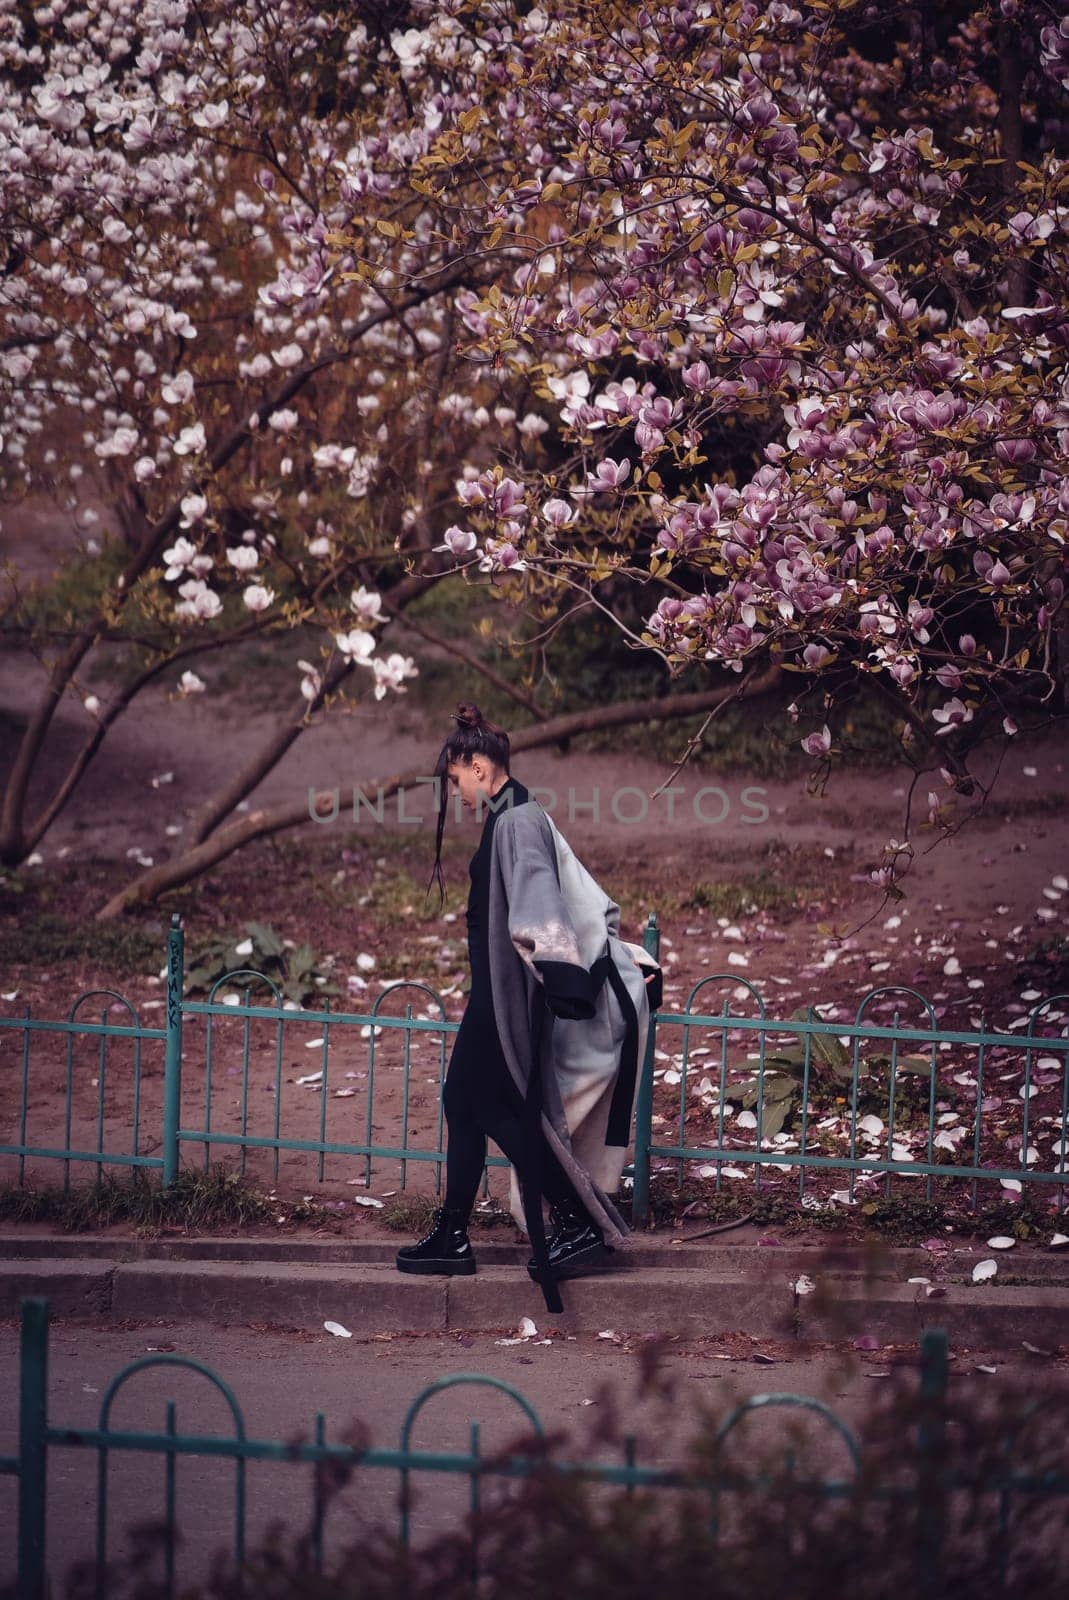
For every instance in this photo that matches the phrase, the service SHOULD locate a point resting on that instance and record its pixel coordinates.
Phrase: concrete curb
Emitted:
(690, 1290)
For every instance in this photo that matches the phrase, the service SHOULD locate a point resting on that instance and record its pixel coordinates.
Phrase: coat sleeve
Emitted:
(539, 926)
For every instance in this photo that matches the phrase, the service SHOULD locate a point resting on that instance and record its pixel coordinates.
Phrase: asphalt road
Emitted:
(283, 1378)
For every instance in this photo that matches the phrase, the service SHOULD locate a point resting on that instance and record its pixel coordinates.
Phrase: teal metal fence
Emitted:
(883, 1098)
(918, 1478)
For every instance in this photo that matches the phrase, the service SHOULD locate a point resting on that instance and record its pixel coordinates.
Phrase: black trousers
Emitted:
(481, 1100)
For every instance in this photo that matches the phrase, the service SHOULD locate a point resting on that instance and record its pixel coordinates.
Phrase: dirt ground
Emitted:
(755, 882)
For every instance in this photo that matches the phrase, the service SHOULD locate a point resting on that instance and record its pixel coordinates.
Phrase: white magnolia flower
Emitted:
(178, 558)
(194, 507)
(189, 683)
(311, 683)
(358, 644)
(123, 442)
(283, 421)
(410, 48)
(257, 597)
(191, 440)
(244, 557)
(177, 391)
(291, 355)
(198, 601)
(360, 476)
(334, 455)
(389, 673)
(366, 603)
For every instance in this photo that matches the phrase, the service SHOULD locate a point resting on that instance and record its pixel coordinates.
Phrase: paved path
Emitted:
(810, 1289)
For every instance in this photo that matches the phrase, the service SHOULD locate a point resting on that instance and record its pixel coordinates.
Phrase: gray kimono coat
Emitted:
(553, 928)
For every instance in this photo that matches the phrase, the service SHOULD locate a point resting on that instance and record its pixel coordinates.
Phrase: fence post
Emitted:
(931, 1453)
(33, 1448)
(172, 1072)
(640, 1193)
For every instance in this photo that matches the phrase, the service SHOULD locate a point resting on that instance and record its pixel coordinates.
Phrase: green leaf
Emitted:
(301, 962)
(265, 938)
(776, 1114)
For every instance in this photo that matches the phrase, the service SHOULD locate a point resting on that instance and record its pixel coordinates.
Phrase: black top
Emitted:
(512, 792)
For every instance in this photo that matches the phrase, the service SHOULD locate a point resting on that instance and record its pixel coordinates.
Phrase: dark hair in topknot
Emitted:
(472, 736)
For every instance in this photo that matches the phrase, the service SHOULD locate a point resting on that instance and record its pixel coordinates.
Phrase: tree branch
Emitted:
(12, 831)
(465, 653)
(157, 880)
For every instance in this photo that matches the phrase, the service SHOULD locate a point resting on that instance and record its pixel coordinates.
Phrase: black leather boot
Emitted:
(446, 1249)
(575, 1244)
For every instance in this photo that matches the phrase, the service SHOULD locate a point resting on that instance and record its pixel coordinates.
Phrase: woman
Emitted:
(546, 1057)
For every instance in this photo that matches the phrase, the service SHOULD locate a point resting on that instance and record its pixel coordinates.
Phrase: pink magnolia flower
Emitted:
(817, 744)
(458, 541)
(1015, 452)
(609, 475)
(558, 513)
(953, 715)
(501, 556)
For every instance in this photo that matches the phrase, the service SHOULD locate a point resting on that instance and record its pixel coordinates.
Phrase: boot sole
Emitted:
(445, 1269)
(595, 1255)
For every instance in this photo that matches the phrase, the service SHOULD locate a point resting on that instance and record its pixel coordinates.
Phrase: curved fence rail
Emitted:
(918, 1480)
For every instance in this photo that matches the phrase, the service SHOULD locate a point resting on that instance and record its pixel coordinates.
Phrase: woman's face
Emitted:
(472, 783)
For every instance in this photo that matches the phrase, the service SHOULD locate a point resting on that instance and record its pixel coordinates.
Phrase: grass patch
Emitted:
(199, 1202)
(897, 1219)
(759, 891)
(46, 938)
(409, 1213)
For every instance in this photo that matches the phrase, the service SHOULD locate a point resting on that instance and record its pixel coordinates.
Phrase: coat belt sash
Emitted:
(623, 1098)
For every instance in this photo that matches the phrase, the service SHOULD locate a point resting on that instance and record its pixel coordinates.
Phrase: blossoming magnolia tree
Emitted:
(793, 279)
(755, 313)
(247, 437)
